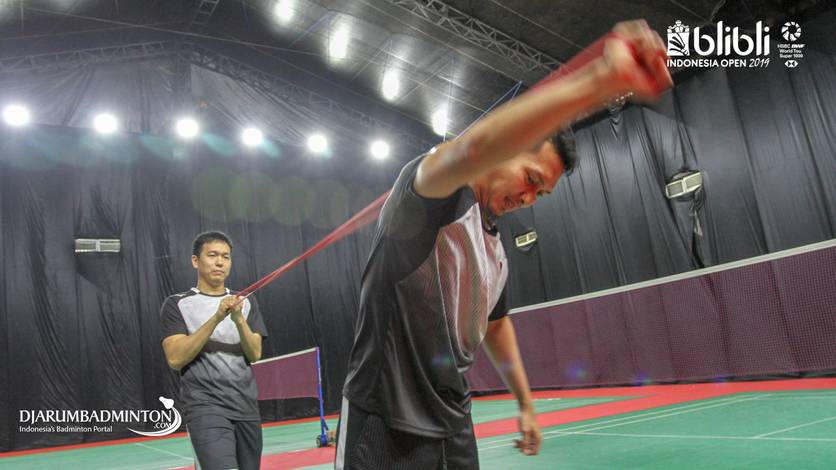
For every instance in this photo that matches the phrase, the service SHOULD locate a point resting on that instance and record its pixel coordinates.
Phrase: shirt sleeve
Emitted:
(171, 320)
(411, 216)
(254, 319)
(501, 309)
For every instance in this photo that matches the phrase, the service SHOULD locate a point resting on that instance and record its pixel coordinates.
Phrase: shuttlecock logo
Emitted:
(678, 39)
(791, 31)
(167, 427)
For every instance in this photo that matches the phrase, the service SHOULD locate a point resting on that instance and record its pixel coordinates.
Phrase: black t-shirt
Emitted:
(219, 380)
(434, 278)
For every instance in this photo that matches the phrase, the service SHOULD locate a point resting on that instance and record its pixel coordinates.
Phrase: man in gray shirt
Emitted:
(212, 342)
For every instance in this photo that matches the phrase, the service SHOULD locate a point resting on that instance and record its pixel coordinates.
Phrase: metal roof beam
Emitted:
(480, 34)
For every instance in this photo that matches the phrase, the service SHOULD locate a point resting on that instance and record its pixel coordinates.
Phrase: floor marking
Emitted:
(673, 436)
(163, 451)
(631, 419)
(642, 414)
(761, 436)
(802, 397)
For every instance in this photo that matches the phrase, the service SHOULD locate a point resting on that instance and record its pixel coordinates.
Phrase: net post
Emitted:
(323, 436)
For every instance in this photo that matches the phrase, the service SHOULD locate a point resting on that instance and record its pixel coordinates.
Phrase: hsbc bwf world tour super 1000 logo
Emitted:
(723, 46)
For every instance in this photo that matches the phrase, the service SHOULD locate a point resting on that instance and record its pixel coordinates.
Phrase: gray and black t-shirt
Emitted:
(219, 380)
(434, 279)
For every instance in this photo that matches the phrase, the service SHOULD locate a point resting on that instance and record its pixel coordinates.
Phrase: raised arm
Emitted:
(632, 62)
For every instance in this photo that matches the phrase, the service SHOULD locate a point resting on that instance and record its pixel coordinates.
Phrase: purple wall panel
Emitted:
(770, 317)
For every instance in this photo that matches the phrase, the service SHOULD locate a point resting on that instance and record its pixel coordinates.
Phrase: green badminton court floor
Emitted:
(763, 430)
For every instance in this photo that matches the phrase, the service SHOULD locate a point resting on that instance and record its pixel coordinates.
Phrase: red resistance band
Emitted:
(370, 213)
(359, 220)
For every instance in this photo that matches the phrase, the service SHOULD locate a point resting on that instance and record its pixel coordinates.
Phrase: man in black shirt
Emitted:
(212, 344)
(433, 287)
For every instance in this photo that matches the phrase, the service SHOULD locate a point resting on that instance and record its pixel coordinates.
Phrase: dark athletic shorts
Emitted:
(364, 442)
(221, 444)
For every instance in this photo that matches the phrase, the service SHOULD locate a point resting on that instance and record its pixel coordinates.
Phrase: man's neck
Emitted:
(488, 219)
(207, 288)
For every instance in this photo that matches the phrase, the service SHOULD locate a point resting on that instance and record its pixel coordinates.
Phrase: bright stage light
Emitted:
(16, 115)
(440, 121)
(252, 137)
(391, 84)
(105, 123)
(317, 143)
(338, 43)
(379, 150)
(284, 10)
(187, 128)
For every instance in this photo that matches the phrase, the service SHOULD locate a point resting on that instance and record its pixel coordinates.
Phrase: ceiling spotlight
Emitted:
(317, 143)
(187, 128)
(252, 137)
(16, 115)
(105, 123)
(284, 10)
(338, 43)
(391, 85)
(440, 121)
(379, 150)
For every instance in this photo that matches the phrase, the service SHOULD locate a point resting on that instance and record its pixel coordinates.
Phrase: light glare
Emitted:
(252, 137)
(284, 10)
(391, 85)
(16, 115)
(440, 122)
(317, 143)
(105, 123)
(379, 150)
(187, 128)
(338, 44)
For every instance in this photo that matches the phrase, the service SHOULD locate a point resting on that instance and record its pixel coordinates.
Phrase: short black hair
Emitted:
(564, 143)
(206, 237)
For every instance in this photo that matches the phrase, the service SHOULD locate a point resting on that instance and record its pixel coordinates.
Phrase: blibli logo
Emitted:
(678, 40)
(723, 41)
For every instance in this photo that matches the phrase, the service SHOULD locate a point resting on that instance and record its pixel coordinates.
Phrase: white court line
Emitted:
(803, 397)
(164, 451)
(761, 436)
(672, 436)
(644, 416)
(625, 418)
(635, 419)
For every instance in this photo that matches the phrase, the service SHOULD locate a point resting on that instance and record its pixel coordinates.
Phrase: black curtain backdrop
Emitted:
(765, 141)
(81, 331)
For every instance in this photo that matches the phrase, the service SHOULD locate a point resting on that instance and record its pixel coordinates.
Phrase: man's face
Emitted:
(214, 262)
(519, 181)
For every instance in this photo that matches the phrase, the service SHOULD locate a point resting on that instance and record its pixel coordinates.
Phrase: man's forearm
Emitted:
(501, 345)
(513, 128)
(250, 342)
(186, 348)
